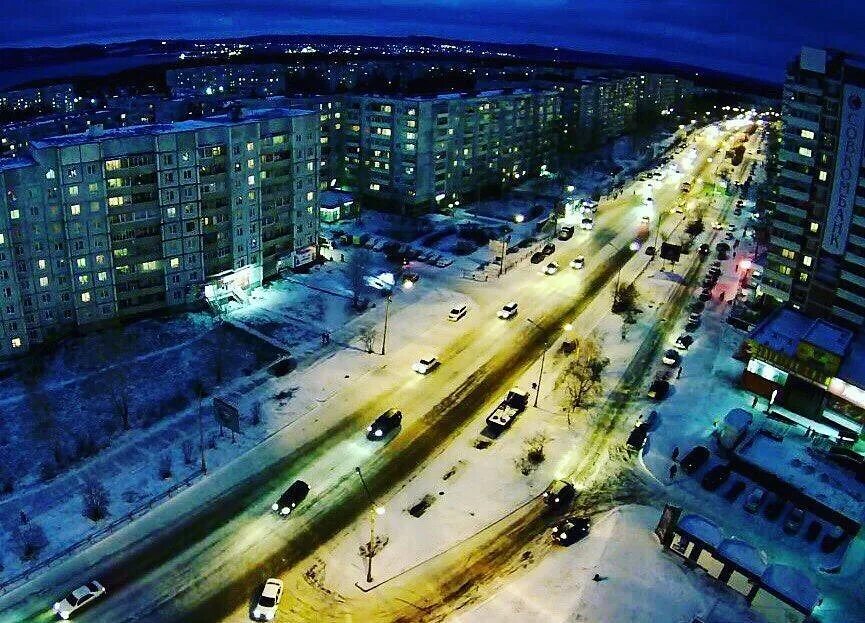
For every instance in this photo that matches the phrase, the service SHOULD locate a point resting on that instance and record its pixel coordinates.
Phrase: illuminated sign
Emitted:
(847, 165)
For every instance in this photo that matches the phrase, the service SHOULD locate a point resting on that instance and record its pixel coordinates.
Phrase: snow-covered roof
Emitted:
(783, 330)
(852, 370)
(793, 585)
(331, 198)
(738, 418)
(701, 528)
(744, 554)
(829, 337)
(7, 164)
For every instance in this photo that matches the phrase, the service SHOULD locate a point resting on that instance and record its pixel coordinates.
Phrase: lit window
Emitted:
(13, 214)
(807, 134)
(803, 276)
(121, 252)
(375, 187)
(251, 180)
(83, 279)
(822, 175)
(75, 209)
(790, 255)
(814, 227)
(93, 187)
(43, 281)
(250, 164)
(310, 196)
(100, 259)
(115, 201)
(16, 342)
(102, 276)
(81, 262)
(807, 260)
(72, 191)
(171, 212)
(804, 151)
(250, 146)
(175, 262)
(41, 264)
(85, 297)
(2, 238)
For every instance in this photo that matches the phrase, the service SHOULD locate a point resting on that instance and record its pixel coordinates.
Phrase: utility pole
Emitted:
(372, 513)
(384, 333)
(543, 358)
(201, 433)
(504, 242)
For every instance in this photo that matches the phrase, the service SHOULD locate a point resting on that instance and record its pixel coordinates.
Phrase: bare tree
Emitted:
(367, 337)
(357, 269)
(220, 349)
(120, 396)
(370, 550)
(94, 498)
(255, 413)
(533, 454)
(187, 448)
(30, 539)
(582, 378)
(165, 466)
(43, 424)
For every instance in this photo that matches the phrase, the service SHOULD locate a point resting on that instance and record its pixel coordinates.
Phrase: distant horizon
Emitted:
(740, 37)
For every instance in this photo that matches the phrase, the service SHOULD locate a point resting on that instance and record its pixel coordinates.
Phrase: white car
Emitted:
(508, 311)
(77, 599)
(552, 268)
(425, 365)
(578, 262)
(265, 607)
(457, 312)
(587, 224)
(646, 220)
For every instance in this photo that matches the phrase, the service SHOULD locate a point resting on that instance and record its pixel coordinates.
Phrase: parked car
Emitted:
(566, 232)
(425, 365)
(570, 530)
(774, 507)
(637, 437)
(268, 601)
(659, 389)
(794, 520)
(684, 341)
(552, 268)
(81, 597)
(384, 424)
(735, 490)
(709, 281)
(693, 325)
(508, 311)
(697, 306)
(705, 295)
(549, 249)
(559, 494)
(458, 312)
(587, 224)
(578, 262)
(755, 500)
(704, 250)
(290, 498)
(671, 357)
(694, 459)
(832, 539)
(538, 257)
(716, 476)
(650, 250)
(813, 530)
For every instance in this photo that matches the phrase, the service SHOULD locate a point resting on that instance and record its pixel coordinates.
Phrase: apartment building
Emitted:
(115, 223)
(816, 249)
(51, 98)
(246, 80)
(421, 154)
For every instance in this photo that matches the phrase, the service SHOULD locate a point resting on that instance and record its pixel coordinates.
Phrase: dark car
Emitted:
(566, 232)
(292, 496)
(715, 477)
(538, 257)
(831, 540)
(659, 389)
(571, 529)
(650, 250)
(692, 325)
(705, 295)
(684, 341)
(384, 424)
(638, 436)
(773, 508)
(559, 494)
(549, 249)
(704, 250)
(694, 459)
(813, 531)
(709, 281)
(734, 491)
(793, 521)
(697, 306)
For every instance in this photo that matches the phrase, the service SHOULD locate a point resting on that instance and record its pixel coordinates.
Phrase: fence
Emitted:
(97, 535)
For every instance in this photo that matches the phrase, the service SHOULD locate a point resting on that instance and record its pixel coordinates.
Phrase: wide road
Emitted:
(208, 561)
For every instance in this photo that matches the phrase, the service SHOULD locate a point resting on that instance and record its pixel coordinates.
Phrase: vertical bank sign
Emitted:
(847, 166)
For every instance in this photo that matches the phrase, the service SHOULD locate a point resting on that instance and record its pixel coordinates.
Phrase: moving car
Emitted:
(684, 341)
(715, 477)
(552, 268)
(538, 257)
(794, 520)
(549, 249)
(587, 223)
(425, 365)
(755, 500)
(560, 493)
(458, 312)
(695, 459)
(704, 250)
(578, 262)
(291, 497)
(735, 490)
(813, 531)
(659, 389)
(566, 232)
(671, 357)
(384, 424)
(570, 530)
(508, 311)
(78, 599)
(268, 601)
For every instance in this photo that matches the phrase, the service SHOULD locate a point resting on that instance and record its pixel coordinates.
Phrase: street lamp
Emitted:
(543, 357)
(386, 311)
(519, 218)
(374, 510)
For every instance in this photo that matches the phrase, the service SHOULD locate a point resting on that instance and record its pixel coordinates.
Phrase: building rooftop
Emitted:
(782, 331)
(249, 116)
(829, 337)
(8, 164)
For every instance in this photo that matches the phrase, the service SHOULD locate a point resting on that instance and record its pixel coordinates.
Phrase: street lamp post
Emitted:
(384, 332)
(505, 242)
(374, 510)
(543, 358)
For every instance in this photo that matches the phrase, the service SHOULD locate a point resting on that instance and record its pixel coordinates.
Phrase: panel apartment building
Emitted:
(116, 223)
(420, 154)
(816, 250)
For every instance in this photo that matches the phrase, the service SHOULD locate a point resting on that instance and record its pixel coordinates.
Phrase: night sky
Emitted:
(750, 37)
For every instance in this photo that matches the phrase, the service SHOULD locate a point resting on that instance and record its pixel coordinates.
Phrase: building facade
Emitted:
(254, 79)
(115, 223)
(816, 250)
(53, 98)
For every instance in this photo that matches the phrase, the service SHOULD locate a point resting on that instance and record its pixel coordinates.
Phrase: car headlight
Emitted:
(369, 428)
(275, 507)
(556, 500)
(379, 433)
(286, 510)
(564, 535)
